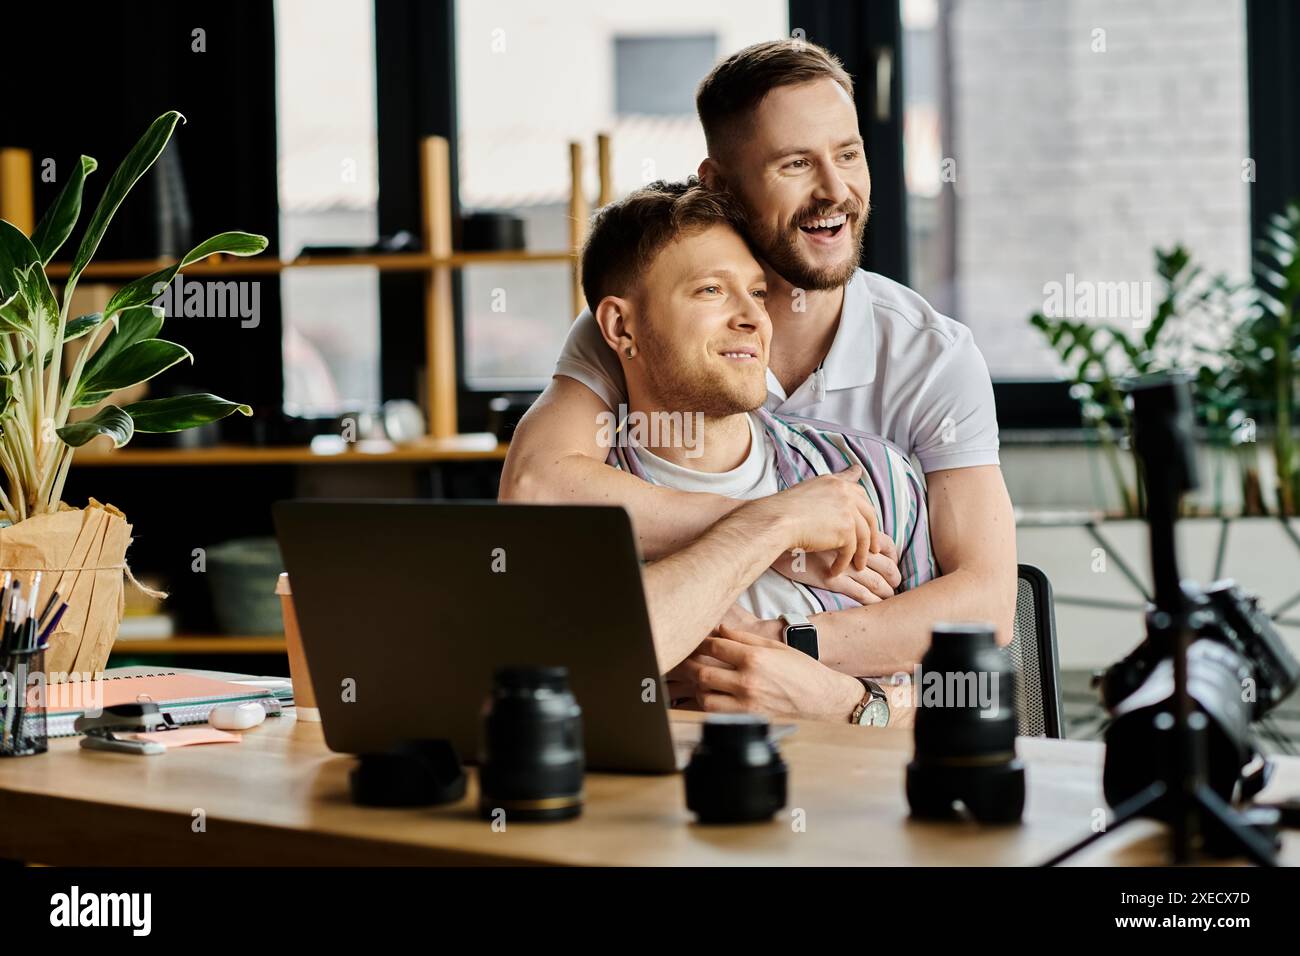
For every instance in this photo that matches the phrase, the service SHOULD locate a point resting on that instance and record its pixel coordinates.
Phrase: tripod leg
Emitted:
(1252, 845)
(1126, 811)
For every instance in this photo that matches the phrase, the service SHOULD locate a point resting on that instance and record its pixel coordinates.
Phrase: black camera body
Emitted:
(1238, 670)
(1248, 627)
(1229, 616)
(1179, 746)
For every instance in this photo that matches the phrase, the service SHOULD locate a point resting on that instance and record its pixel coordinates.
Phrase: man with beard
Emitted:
(678, 298)
(849, 348)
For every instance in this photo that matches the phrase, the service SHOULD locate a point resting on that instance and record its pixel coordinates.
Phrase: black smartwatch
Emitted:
(801, 633)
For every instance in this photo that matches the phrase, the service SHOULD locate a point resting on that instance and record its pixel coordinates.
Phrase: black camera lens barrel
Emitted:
(962, 655)
(736, 773)
(531, 760)
(966, 747)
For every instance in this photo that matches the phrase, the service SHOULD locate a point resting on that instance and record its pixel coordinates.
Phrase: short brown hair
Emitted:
(626, 235)
(738, 84)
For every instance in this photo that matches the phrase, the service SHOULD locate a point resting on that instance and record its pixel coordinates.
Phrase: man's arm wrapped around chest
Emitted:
(807, 448)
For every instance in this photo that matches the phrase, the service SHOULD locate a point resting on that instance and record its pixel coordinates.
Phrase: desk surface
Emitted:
(280, 796)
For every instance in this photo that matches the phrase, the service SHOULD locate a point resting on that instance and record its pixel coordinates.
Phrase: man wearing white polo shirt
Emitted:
(849, 348)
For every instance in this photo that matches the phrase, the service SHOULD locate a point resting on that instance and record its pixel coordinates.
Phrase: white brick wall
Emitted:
(1075, 161)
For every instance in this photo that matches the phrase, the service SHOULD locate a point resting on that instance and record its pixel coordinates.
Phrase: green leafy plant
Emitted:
(1193, 308)
(1260, 369)
(1241, 340)
(122, 347)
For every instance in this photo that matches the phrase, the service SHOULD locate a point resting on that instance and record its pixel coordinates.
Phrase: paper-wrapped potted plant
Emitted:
(82, 551)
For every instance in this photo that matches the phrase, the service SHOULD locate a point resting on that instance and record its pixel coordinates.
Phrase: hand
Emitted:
(680, 683)
(871, 585)
(738, 672)
(828, 513)
(681, 688)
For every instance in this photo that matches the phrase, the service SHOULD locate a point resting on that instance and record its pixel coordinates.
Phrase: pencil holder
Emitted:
(22, 703)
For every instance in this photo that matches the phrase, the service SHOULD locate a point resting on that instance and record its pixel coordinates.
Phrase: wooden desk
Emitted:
(281, 797)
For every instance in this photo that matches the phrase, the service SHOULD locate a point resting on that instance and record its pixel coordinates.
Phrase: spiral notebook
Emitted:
(188, 698)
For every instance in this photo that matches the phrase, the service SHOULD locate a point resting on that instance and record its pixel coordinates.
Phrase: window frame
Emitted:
(416, 89)
(853, 30)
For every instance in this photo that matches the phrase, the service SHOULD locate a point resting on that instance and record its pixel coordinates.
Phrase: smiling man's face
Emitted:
(801, 173)
(701, 327)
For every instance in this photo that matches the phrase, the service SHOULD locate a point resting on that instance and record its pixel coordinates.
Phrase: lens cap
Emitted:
(736, 774)
(414, 773)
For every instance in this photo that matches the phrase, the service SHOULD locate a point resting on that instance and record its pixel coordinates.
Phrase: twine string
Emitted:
(124, 567)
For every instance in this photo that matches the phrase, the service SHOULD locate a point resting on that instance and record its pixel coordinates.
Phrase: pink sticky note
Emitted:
(185, 736)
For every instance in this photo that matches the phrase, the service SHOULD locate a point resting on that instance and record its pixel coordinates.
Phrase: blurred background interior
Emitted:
(1149, 148)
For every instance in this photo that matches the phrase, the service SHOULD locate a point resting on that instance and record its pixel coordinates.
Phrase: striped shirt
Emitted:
(806, 449)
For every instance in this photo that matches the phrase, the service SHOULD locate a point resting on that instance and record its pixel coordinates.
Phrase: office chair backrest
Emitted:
(1033, 655)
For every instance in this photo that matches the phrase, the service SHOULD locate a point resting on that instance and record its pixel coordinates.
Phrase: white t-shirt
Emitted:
(772, 594)
(897, 369)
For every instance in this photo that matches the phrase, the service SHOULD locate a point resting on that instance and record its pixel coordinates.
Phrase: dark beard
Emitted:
(781, 252)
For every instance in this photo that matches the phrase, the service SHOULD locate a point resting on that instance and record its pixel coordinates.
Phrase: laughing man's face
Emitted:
(702, 327)
(801, 173)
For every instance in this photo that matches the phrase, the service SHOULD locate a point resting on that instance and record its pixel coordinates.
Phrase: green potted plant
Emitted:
(1254, 378)
(1242, 340)
(1193, 308)
(83, 551)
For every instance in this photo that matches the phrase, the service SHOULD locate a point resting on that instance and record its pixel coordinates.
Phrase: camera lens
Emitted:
(966, 729)
(1140, 744)
(530, 753)
(736, 774)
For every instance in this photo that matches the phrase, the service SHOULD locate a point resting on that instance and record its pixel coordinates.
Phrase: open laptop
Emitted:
(406, 608)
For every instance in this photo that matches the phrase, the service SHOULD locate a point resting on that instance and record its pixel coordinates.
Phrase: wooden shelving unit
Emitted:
(200, 644)
(436, 261)
(393, 262)
(476, 447)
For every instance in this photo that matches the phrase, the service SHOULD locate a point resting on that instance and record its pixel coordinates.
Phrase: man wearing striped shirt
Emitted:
(679, 297)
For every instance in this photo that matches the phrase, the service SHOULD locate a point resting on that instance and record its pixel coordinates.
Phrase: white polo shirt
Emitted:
(897, 369)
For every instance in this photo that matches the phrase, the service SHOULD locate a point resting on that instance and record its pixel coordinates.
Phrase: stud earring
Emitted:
(630, 352)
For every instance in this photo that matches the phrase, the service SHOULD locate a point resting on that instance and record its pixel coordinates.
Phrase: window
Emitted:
(328, 193)
(657, 75)
(1061, 143)
(533, 77)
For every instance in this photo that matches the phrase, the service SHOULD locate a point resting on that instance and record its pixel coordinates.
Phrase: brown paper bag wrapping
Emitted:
(82, 553)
